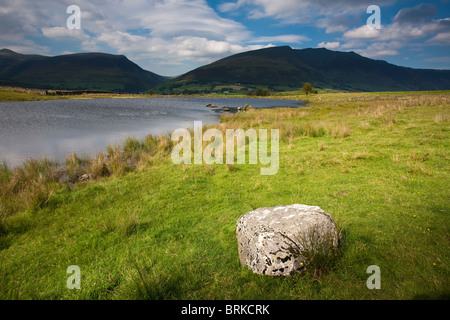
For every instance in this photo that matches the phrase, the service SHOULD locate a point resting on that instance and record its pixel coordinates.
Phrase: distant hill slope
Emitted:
(82, 71)
(283, 67)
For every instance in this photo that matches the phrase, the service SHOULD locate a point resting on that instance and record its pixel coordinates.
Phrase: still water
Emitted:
(56, 128)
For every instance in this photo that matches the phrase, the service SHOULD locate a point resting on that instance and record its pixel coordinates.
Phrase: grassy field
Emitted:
(8, 94)
(145, 228)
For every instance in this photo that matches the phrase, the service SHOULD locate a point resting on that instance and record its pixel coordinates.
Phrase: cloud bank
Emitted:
(173, 36)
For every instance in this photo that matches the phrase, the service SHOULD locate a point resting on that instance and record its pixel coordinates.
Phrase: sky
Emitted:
(171, 37)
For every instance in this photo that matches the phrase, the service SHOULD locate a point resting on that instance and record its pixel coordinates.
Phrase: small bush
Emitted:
(308, 88)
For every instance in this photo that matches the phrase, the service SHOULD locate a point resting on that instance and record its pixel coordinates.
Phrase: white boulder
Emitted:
(272, 241)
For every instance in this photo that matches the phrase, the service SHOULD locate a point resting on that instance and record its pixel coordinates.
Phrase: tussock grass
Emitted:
(99, 166)
(75, 167)
(319, 250)
(340, 131)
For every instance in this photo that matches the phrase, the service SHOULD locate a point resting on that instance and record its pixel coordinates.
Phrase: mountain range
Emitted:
(277, 69)
(81, 71)
(286, 68)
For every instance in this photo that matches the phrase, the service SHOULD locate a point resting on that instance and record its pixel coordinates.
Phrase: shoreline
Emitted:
(218, 111)
(379, 167)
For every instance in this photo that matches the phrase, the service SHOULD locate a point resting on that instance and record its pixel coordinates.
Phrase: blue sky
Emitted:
(171, 37)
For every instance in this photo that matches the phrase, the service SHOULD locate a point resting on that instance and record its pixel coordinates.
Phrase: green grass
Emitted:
(8, 94)
(162, 231)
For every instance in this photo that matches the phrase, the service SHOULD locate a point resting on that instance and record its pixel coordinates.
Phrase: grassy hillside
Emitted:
(145, 228)
(280, 68)
(83, 71)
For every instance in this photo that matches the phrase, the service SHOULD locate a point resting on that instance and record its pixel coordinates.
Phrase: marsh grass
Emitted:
(32, 185)
(28, 187)
(117, 164)
(99, 166)
(75, 167)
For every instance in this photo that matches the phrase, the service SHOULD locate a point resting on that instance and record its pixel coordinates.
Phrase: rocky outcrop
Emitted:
(273, 241)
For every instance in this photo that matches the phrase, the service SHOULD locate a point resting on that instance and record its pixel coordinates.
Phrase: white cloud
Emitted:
(380, 49)
(228, 6)
(398, 32)
(190, 32)
(62, 33)
(149, 31)
(363, 32)
(184, 49)
(442, 38)
(340, 23)
(305, 11)
(329, 45)
(181, 30)
(191, 18)
(286, 38)
(409, 26)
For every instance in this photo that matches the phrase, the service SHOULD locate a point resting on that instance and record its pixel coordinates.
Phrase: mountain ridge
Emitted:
(276, 68)
(77, 71)
(284, 68)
